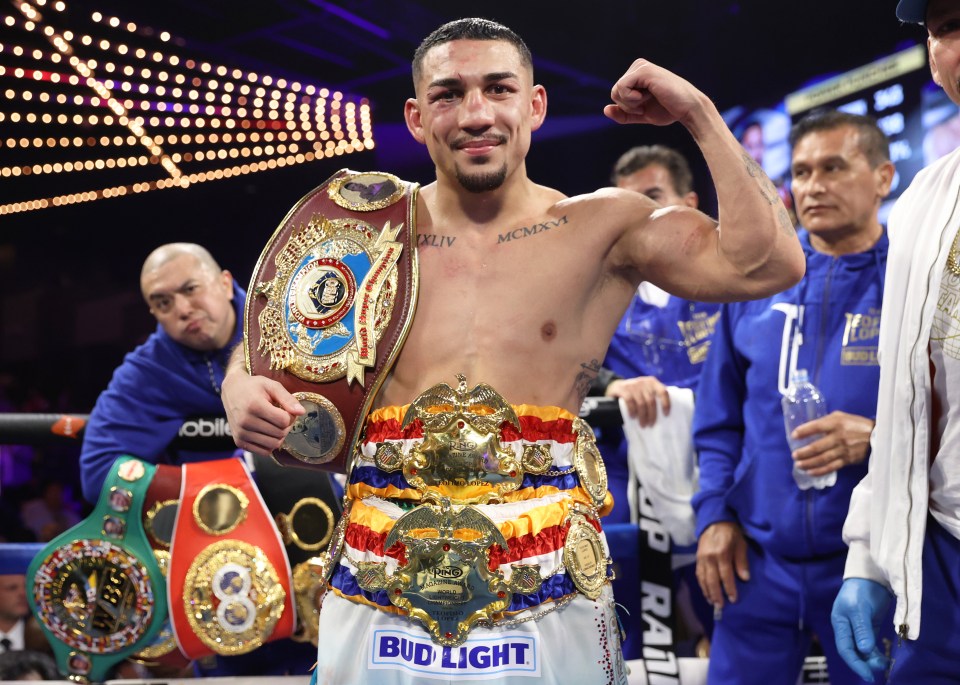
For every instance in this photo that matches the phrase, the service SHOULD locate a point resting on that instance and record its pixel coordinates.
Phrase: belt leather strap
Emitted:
(97, 590)
(330, 303)
(159, 517)
(305, 507)
(229, 581)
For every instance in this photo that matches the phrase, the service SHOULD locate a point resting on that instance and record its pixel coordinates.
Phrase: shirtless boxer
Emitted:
(522, 293)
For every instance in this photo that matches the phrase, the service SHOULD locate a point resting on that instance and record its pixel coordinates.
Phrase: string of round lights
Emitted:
(214, 114)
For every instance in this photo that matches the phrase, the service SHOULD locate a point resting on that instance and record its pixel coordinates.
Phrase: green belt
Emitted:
(97, 591)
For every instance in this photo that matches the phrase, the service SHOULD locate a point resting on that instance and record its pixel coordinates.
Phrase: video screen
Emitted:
(897, 91)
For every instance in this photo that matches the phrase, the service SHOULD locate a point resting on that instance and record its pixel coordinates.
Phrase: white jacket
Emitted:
(886, 524)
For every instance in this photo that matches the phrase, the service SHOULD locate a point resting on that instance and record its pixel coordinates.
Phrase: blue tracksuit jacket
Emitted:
(827, 324)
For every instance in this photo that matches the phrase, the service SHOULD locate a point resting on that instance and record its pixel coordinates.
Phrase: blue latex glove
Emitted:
(860, 606)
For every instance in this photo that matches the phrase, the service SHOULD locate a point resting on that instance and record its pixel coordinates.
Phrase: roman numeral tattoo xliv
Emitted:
(430, 240)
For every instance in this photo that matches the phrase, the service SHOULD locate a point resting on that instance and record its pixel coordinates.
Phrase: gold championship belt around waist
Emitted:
(329, 307)
(448, 578)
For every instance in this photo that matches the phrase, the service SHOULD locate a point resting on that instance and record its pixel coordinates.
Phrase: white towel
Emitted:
(663, 459)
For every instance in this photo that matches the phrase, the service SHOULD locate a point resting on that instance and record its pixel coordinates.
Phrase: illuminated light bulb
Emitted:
(122, 49)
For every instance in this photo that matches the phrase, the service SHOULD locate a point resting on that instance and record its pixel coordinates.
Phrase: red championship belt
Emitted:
(329, 307)
(159, 517)
(229, 581)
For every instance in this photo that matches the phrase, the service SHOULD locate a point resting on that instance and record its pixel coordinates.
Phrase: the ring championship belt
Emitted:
(97, 590)
(331, 301)
(447, 583)
(447, 577)
(229, 579)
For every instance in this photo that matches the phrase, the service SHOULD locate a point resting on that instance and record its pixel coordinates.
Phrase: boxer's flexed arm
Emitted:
(260, 411)
(754, 252)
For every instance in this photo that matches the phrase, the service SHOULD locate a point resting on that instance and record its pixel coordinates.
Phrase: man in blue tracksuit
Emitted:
(770, 556)
(175, 374)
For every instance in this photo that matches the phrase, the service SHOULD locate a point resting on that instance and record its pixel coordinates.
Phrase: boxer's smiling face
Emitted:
(475, 109)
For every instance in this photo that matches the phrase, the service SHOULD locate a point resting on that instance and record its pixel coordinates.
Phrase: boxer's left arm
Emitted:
(753, 252)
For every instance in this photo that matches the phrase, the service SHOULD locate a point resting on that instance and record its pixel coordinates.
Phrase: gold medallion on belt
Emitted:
(460, 453)
(446, 583)
(235, 597)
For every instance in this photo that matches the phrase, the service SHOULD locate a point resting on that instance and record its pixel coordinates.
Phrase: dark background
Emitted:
(69, 297)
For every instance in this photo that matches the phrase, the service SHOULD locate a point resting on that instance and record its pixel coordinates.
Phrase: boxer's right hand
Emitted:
(260, 411)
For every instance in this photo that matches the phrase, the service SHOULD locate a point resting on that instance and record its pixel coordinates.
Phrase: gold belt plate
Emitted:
(446, 583)
(233, 597)
(461, 449)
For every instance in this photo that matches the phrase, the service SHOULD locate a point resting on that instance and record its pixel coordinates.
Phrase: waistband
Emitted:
(551, 431)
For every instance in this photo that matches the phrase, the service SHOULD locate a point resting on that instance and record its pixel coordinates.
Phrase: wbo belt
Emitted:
(229, 580)
(462, 456)
(331, 302)
(98, 591)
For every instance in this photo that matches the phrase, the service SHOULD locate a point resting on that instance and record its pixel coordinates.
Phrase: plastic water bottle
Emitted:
(803, 402)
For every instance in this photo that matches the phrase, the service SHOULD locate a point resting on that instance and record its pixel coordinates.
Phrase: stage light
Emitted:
(246, 122)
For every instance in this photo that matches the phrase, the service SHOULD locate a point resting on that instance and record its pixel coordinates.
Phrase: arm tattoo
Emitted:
(767, 189)
(785, 224)
(583, 381)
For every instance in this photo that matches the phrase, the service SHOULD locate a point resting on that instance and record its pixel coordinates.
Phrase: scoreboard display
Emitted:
(897, 91)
